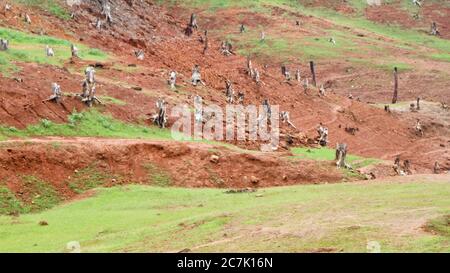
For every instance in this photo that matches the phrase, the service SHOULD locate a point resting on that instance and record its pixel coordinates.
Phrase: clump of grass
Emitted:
(158, 176)
(41, 195)
(440, 225)
(88, 178)
(52, 6)
(327, 154)
(30, 48)
(9, 204)
(89, 123)
(111, 100)
(441, 57)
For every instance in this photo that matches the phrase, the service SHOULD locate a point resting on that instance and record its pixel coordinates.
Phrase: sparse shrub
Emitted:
(9, 204)
(46, 123)
(74, 118)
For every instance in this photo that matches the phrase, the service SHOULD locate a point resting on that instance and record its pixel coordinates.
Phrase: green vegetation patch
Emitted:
(158, 176)
(441, 56)
(440, 225)
(40, 194)
(88, 178)
(339, 217)
(52, 6)
(90, 123)
(327, 154)
(9, 204)
(111, 100)
(30, 48)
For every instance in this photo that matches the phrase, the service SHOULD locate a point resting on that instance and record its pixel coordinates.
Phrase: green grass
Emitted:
(441, 56)
(342, 217)
(330, 154)
(9, 204)
(111, 100)
(42, 195)
(396, 33)
(89, 124)
(30, 48)
(52, 6)
(440, 225)
(157, 176)
(88, 178)
(381, 64)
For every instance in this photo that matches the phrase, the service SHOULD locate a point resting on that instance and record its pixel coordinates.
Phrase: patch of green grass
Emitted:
(89, 124)
(441, 56)
(88, 178)
(330, 154)
(381, 64)
(52, 6)
(358, 5)
(157, 175)
(111, 100)
(341, 217)
(396, 33)
(440, 225)
(284, 48)
(30, 48)
(41, 194)
(9, 204)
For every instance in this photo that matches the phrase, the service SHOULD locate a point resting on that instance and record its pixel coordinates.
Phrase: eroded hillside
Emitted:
(360, 64)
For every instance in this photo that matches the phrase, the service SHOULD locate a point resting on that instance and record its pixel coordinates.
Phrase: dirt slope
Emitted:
(160, 33)
(59, 161)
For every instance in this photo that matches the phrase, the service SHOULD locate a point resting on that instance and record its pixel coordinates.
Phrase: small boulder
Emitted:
(73, 247)
(214, 159)
(254, 180)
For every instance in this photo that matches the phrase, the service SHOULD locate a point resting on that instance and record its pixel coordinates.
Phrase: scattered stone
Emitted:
(254, 180)
(214, 159)
(241, 190)
(73, 247)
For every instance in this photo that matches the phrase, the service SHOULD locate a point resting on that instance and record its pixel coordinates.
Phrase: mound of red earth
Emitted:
(160, 33)
(57, 161)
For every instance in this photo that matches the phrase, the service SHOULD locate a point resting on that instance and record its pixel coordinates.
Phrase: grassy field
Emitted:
(334, 217)
(30, 48)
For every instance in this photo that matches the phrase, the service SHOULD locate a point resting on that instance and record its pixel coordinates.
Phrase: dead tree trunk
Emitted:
(341, 154)
(313, 73)
(395, 97)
